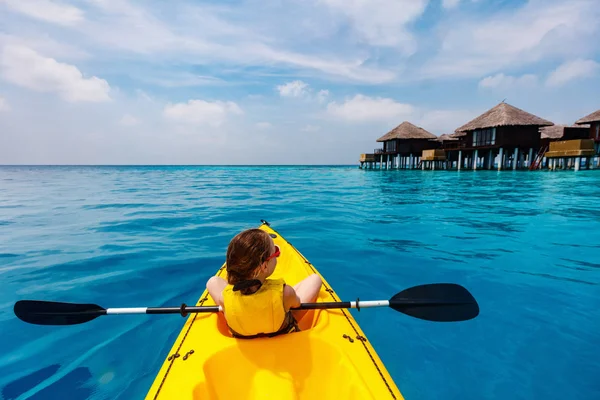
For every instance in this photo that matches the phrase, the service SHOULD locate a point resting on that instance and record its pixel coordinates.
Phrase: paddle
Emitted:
(442, 302)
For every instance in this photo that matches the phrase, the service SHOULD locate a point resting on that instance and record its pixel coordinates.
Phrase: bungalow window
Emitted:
(598, 130)
(390, 147)
(484, 137)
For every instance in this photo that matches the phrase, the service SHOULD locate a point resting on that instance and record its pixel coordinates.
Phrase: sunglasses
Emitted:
(274, 255)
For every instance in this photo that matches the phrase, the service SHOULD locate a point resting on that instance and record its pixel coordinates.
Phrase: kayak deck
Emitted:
(329, 358)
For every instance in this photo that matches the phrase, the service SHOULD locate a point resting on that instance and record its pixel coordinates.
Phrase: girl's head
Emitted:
(249, 253)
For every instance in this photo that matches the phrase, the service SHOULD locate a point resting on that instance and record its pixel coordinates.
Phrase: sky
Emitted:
(277, 81)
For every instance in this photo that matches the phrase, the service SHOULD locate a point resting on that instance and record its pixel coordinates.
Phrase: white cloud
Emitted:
(322, 95)
(44, 44)
(354, 70)
(142, 95)
(474, 45)
(25, 67)
(502, 81)
(449, 4)
(46, 10)
(129, 120)
(311, 128)
(299, 89)
(443, 121)
(571, 70)
(226, 38)
(382, 22)
(349, 48)
(264, 125)
(42, 130)
(293, 89)
(4, 106)
(364, 108)
(184, 79)
(201, 112)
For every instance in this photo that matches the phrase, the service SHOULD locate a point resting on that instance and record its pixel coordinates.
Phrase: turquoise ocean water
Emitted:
(527, 245)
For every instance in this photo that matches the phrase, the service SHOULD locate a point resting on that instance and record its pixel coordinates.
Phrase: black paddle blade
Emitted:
(441, 302)
(55, 313)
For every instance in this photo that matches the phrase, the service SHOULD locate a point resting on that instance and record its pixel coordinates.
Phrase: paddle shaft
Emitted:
(343, 304)
(162, 310)
(208, 309)
(304, 306)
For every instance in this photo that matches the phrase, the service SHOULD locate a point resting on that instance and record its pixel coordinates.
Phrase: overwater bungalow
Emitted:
(562, 132)
(594, 123)
(505, 133)
(438, 157)
(569, 152)
(402, 148)
(447, 155)
(553, 138)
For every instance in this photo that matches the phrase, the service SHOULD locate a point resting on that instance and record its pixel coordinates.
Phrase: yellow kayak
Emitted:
(329, 359)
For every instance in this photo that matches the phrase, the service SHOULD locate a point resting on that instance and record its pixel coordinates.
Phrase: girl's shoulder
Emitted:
(290, 298)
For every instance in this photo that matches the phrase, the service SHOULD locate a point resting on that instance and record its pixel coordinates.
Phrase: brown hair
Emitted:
(246, 252)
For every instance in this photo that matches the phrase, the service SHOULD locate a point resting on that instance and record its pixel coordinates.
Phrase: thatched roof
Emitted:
(445, 137)
(503, 115)
(557, 131)
(406, 130)
(593, 117)
(552, 132)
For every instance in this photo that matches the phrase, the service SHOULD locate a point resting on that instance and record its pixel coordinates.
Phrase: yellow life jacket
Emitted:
(261, 312)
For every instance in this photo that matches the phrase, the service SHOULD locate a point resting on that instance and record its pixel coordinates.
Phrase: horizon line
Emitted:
(177, 165)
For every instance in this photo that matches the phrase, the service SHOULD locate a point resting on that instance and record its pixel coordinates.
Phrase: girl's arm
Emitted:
(290, 298)
(215, 286)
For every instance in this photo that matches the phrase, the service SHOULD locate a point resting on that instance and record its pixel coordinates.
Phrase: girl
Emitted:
(255, 306)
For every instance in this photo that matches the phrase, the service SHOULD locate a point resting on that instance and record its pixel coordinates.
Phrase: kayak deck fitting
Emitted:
(329, 358)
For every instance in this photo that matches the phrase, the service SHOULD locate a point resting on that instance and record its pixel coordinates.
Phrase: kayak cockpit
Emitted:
(289, 368)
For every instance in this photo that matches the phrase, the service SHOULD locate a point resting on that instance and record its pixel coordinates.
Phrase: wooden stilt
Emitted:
(521, 160)
(500, 159)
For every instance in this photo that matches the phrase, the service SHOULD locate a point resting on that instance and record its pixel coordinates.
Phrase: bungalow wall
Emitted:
(595, 135)
(595, 131)
(518, 136)
(409, 146)
(503, 136)
(454, 144)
